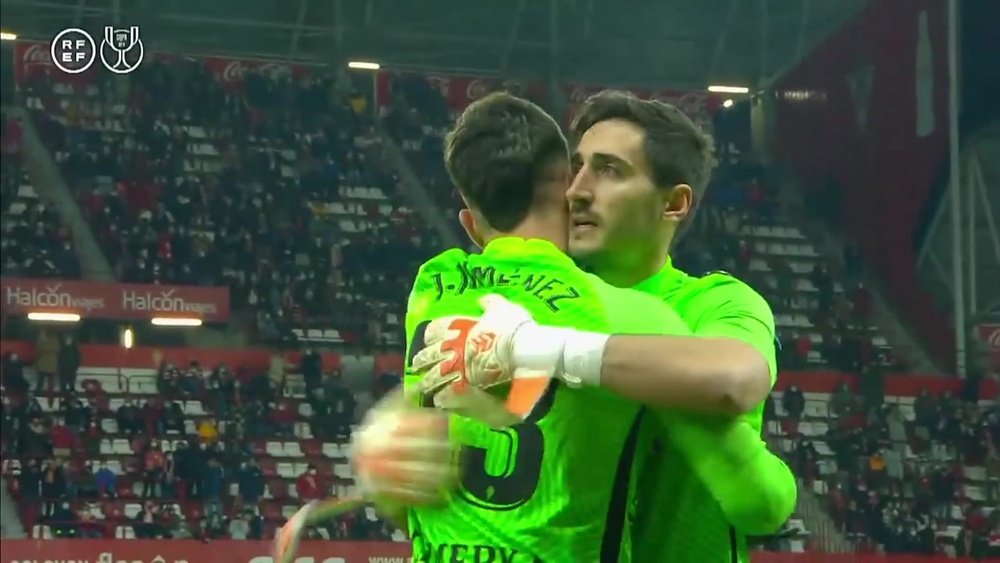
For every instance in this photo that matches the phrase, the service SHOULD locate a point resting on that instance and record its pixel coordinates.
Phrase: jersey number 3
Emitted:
(521, 446)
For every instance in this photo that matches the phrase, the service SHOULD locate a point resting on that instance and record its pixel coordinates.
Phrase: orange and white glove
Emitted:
(477, 351)
(506, 345)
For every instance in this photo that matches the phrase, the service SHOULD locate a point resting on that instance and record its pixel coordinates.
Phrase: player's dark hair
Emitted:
(677, 150)
(496, 155)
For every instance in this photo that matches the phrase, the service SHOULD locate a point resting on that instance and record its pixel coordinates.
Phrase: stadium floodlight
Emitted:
(729, 89)
(54, 317)
(364, 65)
(173, 321)
(7, 36)
(728, 103)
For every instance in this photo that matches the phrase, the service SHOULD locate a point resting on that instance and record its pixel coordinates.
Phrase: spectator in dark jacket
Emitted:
(68, 363)
(12, 374)
(213, 479)
(53, 484)
(312, 371)
(794, 402)
(186, 470)
(31, 481)
(251, 482)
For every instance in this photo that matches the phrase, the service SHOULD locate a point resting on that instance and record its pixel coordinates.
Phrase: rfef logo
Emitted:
(73, 50)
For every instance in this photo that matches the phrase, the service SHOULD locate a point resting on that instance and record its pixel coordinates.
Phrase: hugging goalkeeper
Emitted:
(619, 423)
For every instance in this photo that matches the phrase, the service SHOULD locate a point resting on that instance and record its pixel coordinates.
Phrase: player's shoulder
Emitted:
(631, 308)
(423, 281)
(442, 261)
(720, 288)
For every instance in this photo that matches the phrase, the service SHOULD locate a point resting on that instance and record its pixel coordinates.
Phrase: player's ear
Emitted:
(469, 224)
(677, 202)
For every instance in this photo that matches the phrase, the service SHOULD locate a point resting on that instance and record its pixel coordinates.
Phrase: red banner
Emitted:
(113, 301)
(989, 333)
(230, 72)
(864, 117)
(186, 551)
(32, 58)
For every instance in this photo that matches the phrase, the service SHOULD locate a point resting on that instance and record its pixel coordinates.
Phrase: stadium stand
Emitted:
(35, 243)
(279, 191)
(178, 452)
(273, 189)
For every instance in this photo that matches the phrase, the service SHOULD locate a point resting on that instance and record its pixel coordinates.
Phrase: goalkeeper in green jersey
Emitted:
(639, 168)
(555, 487)
(664, 162)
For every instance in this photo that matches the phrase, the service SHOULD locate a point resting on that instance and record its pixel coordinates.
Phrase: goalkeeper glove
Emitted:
(506, 345)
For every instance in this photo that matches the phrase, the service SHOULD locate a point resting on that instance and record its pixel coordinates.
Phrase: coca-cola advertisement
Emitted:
(32, 58)
(230, 72)
(113, 301)
(460, 91)
(186, 551)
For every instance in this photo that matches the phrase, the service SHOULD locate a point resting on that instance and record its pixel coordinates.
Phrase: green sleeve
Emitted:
(754, 488)
(740, 313)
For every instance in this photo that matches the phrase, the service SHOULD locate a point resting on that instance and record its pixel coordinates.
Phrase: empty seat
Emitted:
(121, 446)
(292, 449)
(132, 510)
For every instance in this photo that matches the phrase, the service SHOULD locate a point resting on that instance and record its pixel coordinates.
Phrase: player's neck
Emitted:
(536, 227)
(630, 270)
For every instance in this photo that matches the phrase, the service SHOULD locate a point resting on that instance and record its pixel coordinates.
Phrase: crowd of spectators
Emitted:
(418, 118)
(188, 182)
(896, 482)
(195, 476)
(34, 241)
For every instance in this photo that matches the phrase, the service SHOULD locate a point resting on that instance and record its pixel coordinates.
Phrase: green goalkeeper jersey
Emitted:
(555, 488)
(677, 518)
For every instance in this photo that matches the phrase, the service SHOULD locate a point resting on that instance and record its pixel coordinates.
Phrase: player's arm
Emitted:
(754, 487)
(727, 368)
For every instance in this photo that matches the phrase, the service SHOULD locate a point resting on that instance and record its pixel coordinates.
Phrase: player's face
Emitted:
(615, 208)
